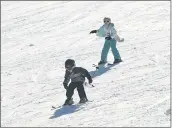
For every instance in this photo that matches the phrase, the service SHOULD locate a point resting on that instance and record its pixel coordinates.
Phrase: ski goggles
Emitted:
(69, 67)
(106, 21)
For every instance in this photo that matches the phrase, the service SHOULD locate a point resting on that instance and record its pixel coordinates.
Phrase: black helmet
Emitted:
(70, 63)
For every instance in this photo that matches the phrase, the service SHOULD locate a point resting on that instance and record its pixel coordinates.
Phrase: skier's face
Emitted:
(106, 21)
(69, 68)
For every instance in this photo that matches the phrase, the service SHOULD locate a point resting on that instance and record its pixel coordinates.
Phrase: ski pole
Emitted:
(94, 74)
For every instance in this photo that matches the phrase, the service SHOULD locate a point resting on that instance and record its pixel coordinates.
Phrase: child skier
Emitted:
(77, 76)
(108, 31)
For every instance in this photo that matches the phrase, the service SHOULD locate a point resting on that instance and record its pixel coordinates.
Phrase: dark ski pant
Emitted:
(80, 89)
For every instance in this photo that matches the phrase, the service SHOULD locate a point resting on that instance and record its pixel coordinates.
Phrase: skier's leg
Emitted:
(114, 49)
(81, 92)
(69, 93)
(105, 51)
(70, 90)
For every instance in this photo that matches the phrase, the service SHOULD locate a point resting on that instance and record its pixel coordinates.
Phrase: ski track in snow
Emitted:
(37, 38)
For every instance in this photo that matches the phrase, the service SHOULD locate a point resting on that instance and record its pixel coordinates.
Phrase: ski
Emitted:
(61, 106)
(77, 104)
(56, 107)
(96, 66)
(109, 64)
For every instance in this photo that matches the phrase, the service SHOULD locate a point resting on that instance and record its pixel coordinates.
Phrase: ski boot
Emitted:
(102, 62)
(83, 100)
(117, 61)
(69, 101)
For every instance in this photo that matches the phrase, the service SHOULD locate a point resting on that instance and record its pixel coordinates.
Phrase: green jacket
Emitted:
(105, 31)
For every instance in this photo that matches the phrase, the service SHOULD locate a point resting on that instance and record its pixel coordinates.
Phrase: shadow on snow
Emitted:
(64, 111)
(102, 69)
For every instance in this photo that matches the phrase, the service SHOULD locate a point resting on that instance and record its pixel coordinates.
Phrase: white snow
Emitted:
(37, 38)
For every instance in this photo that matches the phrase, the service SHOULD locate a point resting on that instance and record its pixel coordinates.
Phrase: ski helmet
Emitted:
(69, 63)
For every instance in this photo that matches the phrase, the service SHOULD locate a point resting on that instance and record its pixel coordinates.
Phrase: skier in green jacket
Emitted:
(111, 37)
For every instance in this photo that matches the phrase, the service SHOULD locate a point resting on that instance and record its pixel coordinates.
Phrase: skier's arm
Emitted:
(100, 32)
(67, 78)
(86, 73)
(115, 35)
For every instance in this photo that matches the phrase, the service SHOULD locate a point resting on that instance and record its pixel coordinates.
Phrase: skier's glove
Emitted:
(121, 40)
(90, 81)
(65, 85)
(93, 31)
(108, 38)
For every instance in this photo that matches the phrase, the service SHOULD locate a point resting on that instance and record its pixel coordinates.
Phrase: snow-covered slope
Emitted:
(37, 38)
